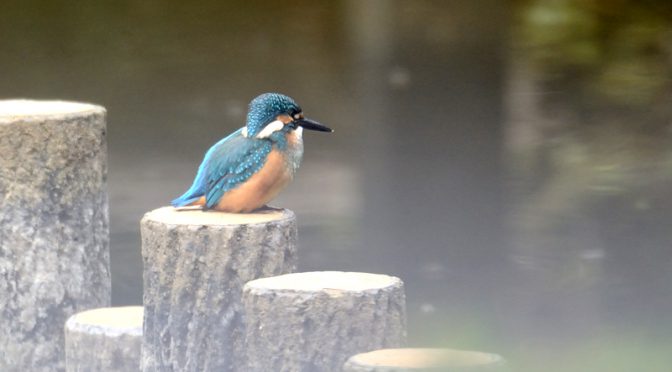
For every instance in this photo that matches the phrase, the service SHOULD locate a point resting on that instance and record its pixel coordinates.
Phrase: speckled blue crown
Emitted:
(264, 109)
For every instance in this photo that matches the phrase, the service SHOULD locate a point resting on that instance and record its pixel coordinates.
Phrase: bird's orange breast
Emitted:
(259, 189)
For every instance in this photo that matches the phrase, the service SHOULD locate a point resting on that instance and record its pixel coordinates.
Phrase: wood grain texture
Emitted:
(105, 339)
(194, 271)
(314, 321)
(54, 234)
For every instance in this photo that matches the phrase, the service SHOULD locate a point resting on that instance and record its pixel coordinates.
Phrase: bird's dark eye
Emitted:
(295, 114)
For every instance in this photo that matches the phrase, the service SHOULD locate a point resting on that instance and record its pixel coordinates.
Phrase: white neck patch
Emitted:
(271, 128)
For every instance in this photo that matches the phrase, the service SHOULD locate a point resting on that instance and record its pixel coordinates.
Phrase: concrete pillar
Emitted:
(314, 321)
(54, 255)
(425, 360)
(106, 339)
(195, 266)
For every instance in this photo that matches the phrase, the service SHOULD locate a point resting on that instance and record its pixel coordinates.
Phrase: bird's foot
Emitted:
(189, 208)
(267, 209)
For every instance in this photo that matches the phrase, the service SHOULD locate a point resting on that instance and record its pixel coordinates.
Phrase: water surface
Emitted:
(511, 164)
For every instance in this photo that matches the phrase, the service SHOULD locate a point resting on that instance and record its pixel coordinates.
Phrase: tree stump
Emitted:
(106, 339)
(314, 321)
(424, 360)
(195, 266)
(54, 255)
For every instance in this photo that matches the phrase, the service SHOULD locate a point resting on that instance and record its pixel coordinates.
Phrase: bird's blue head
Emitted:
(280, 110)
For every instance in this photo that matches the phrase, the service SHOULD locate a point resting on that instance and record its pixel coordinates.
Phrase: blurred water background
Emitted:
(510, 161)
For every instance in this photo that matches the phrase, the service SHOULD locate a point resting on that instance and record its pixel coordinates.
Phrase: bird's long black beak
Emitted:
(312, 125)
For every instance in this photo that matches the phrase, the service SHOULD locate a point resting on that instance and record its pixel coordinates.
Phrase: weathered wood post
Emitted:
(105, 339)
(54, 255)
(425, 360)
(195, 266)
(314, 321)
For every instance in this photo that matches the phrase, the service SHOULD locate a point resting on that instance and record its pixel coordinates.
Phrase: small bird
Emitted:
(248, 168)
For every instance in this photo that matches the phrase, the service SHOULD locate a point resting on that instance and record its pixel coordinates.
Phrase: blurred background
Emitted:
(510, 161)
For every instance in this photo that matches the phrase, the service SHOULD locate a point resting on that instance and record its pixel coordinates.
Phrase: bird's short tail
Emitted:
(192, 195)
(184, 200)
(195, 192)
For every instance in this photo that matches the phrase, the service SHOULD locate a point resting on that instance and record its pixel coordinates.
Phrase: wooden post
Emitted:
(54, 255)
(106, 339)
(314, 321)
(426, 360)
(195, 266)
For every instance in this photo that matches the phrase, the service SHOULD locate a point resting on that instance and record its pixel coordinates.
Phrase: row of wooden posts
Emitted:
(221, 291)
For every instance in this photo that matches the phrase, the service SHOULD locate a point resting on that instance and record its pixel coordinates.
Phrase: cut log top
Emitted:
(424, 358)
(314, 321)
(112, 321)
(11, 110)
(197, 217)
(323, 281)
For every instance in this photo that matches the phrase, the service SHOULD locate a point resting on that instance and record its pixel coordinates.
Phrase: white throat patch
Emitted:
(271, 128)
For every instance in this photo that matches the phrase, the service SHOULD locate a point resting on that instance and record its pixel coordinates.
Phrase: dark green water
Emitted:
(511, 163)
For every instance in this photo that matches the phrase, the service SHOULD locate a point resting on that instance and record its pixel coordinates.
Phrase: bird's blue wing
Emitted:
(231, 163)
(216, 164)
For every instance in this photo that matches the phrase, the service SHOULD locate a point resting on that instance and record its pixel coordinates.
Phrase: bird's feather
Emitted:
(228, 163)
(232, 163)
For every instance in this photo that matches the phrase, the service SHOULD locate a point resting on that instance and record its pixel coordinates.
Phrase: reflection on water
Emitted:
(588, 145)
(514, 169)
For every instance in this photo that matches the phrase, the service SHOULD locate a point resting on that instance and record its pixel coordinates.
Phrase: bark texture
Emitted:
(195, 266)
(424, 360)
(106, 339)
(312, 322)
(54, 255)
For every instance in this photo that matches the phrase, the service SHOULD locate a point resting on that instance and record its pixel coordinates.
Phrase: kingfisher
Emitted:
(248, 168)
